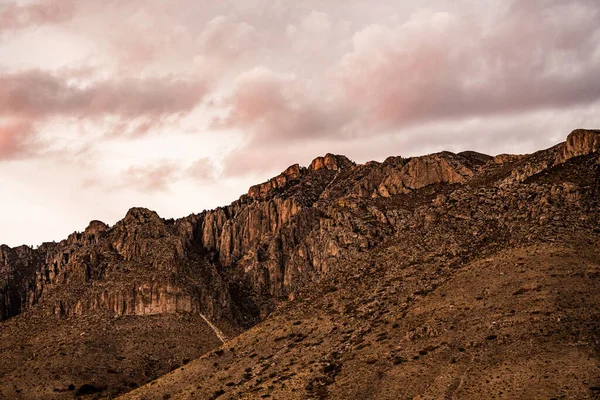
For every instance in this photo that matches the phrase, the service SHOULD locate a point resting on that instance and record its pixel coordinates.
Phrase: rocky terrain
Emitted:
(442, 276)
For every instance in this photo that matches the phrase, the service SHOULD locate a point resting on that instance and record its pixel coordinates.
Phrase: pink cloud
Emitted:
(120, 106)
(150, 178)
(268, 106)
(433, 68)
(226, 38)
(40, 94)
(160, 175)
(17, 140)
(442, 65)
(201, 170)
(38, 13)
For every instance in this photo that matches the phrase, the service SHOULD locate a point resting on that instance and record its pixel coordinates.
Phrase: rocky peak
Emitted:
(143, 235)
(476, 158)
(507, 158)
(260, 191)
(140, 215)
(94, 230)
(96, 227)
(292, 171)
(331, 161)
(404, 175)
(581, 142)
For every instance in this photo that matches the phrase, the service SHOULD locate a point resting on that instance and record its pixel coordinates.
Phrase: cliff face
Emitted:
(579, 143)
(143, 299)
(141, 266)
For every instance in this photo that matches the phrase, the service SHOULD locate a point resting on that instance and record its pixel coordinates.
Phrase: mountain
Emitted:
(442, 276)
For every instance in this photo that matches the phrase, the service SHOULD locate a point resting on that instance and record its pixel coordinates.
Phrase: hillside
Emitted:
(442, 276)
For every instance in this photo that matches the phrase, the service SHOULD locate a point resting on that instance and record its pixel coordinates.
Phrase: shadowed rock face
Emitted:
(306, 228)
(17, 266)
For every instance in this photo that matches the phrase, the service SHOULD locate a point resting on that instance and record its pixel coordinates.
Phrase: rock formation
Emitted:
(306, 232)
(580, 143)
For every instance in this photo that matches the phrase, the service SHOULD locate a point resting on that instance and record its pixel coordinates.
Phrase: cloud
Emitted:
(226, 38)
(119, 106)
(160, 175)
(201, 170)
(155, 177)
(316, 22)
(225, 46)
(275, 107)
(434, 69)
(14, 16)
(441, 65)
(17, 140)
(41, 94)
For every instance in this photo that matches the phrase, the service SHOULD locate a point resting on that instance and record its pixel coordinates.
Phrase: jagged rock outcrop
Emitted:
(143, 235)
(507, 158)
(580, 142)
(331, 162)
(418, 172)
(141, 266)
(260, 191)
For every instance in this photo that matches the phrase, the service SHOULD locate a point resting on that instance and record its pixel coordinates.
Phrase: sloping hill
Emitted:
(521, 323)
(484, 290)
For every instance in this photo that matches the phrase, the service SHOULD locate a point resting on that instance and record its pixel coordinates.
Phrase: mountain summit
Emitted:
(442, 276)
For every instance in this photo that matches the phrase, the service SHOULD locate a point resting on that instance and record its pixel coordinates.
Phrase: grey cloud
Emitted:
(443, 65)
(40, 94)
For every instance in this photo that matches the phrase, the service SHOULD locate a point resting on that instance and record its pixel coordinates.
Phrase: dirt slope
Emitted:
(50, 358)
(521, 323)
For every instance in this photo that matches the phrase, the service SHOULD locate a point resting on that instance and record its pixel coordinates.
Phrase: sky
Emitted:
(181, 105)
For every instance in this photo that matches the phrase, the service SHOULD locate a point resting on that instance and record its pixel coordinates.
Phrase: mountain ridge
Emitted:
(239, 265)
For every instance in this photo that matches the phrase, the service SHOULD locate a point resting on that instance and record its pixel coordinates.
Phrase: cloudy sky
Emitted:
(180, 105)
